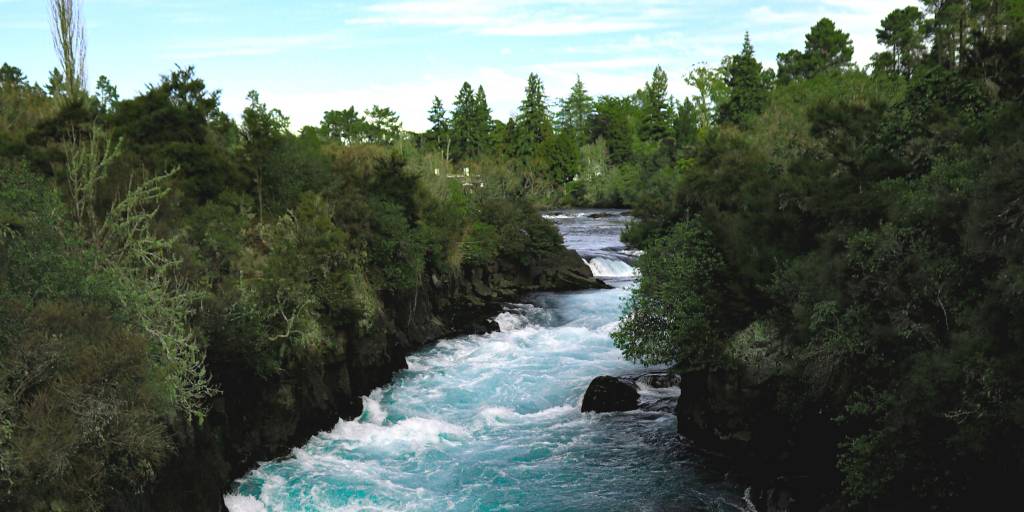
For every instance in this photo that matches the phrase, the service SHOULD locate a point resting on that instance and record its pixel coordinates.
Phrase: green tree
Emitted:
(712, 93)
(563, 157)
(440, 128)
(106, 94)
(11, 76)
(748, 84)
(346, 126)
(826, 49)
(168, 126)
(55, 84)
(949, 30)
(656, 108)
(686, 123)
(615, 121)
(903, 33)
(576, 113)
(482, 118)
(22, 108)
(957, 26)
(262, 130)
(467, 139)
(383, 125)
(672, 317)
(533, 120)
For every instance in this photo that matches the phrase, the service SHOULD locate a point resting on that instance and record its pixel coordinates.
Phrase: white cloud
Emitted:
(251, 46)
(551, 28)
(522, 18)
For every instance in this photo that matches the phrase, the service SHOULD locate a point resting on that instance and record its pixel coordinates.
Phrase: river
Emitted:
(493, 422)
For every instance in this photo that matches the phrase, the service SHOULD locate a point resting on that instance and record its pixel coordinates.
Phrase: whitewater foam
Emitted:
(241, 503)
(610, 268)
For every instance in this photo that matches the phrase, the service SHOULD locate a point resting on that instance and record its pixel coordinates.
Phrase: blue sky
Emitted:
(309, 56)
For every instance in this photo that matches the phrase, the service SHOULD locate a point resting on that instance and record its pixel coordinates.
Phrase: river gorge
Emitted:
(493, 421)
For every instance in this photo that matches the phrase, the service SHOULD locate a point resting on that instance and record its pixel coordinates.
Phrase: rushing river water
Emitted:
(493, 422)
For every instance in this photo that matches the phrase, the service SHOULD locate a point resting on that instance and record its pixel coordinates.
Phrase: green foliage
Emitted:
(470, 123)
(875, 223)
(672, 316)
(533, 123)
(903, 33)
(616, 122)
(440, 127)
(576, 113)
(167, 127)
(656, 108)
(85, 386)
(378, 125)
(22, 108)
(482, 244)
(712, 93)
(826, 50)
(345, 126)
(172, 252)
(748, 84)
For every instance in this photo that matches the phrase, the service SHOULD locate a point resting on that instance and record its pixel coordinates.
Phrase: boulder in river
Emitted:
(607, 394)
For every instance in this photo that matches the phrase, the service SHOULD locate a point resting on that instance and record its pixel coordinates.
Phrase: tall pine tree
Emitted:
(463, 139)
(748, 83)
(656, 110)
(576, 113)
(482, 118)
(439, 133)
(533, 122)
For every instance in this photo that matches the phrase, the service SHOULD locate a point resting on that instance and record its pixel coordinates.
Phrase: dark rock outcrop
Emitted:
(608, 394)
(783, 451)
(660, 380)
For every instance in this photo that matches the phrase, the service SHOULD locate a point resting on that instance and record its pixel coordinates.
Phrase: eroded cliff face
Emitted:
(255, 418)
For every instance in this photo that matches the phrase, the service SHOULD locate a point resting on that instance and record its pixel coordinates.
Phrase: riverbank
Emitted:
(256, 419)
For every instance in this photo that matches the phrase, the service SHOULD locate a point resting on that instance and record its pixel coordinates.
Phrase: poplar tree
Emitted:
(68, 33)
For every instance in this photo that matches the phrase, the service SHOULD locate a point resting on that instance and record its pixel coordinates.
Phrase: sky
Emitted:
(309, 56)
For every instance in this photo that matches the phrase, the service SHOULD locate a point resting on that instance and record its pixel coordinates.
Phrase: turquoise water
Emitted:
(493, 422)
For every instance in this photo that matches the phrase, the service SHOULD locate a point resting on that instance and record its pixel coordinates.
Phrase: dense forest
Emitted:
(832, 260)
(183, 294)
(834, 265)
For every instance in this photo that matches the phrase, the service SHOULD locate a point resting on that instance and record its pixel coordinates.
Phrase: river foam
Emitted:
(610, 268)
